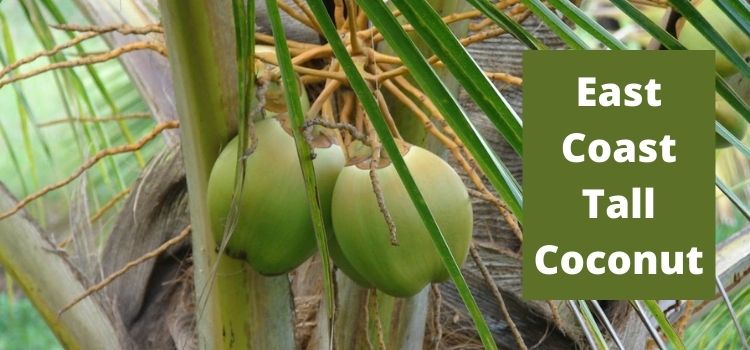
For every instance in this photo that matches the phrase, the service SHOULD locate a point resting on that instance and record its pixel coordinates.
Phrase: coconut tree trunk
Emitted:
(235, 307)
(51, 281)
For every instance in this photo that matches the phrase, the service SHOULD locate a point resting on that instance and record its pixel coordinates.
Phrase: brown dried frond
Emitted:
(106, 281)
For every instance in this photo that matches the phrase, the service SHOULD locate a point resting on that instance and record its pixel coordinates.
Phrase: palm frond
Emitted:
(588, 24)
(556, 24)
(98, 82)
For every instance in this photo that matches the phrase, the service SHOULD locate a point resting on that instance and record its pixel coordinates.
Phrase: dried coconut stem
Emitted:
(338, 13)
(349, 102)
(307, 127)
(498, 297)
(111, 203)
(90, 59)
(351, 15)
(91, 162)
(362, 20)
(387, 115)
(366, 325)
(306, 10)
(372, 299)
(330, 88)
(295, 47)
(556, 319)
(377, 189)
(120, 28)
(304, 70)
(91, 32)
(436, 315)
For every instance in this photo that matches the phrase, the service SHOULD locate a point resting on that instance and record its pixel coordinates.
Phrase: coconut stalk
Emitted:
(34, 263)
(235, 305)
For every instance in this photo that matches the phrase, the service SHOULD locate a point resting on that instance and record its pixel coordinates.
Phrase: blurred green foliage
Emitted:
(715, 330)
(21, 326)
(50, 103)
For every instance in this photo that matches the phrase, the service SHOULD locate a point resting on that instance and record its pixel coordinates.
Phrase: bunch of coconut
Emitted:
(274, 229)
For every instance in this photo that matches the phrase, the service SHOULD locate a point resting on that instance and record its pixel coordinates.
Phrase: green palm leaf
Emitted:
(738, 12)
(588, 24)
(291, 93)
(671, 43)
(60, 18)
(738, 203)
(701, 24)
(588, 318)
(666, 327)
(440, 39)
(733, 140)
(556, 24)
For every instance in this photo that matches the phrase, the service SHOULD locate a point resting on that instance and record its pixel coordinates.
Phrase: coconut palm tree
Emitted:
(444, 75)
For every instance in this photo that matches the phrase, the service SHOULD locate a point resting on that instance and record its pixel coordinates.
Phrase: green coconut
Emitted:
(730, 119)
(692, 39)
(363, 236)
(341, 262)
(274, 231)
